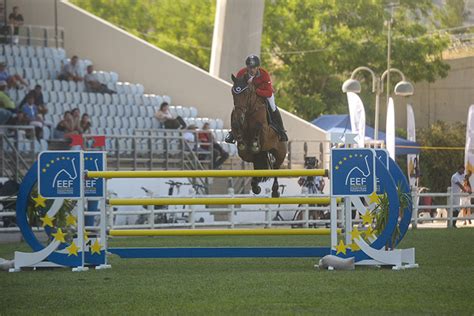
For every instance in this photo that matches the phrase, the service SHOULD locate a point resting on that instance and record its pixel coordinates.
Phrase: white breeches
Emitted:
(271, 100)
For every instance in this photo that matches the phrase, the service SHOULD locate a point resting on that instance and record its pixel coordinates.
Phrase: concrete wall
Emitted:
(445, 99)
(237, 34)
(35, 12)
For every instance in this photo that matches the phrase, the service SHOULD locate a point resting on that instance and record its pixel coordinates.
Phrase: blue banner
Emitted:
(59, 174)
(94, 187)
(352, 172)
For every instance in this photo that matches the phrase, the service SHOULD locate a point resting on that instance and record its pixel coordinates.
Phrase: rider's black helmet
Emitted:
(252, 61)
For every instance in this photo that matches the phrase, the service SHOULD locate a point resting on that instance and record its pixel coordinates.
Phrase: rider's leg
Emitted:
(276, 118)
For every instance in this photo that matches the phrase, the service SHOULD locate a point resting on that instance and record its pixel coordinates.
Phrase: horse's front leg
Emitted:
(256, 138)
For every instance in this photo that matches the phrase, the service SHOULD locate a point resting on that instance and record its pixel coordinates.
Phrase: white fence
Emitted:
(194, 216)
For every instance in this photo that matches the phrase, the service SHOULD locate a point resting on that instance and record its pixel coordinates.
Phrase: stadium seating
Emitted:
(111, 114)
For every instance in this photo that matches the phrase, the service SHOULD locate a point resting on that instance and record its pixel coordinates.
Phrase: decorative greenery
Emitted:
(437, 166)
(382, 214)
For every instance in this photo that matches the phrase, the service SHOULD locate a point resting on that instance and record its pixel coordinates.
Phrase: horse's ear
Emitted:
(233, 77)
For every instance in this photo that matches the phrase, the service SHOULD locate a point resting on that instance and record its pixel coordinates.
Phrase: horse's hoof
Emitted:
(255, 149)
(241, 146)
(256, 189)
(275, 194)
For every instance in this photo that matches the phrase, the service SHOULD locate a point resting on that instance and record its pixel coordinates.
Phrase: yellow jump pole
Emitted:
(220, 201)
(207, 173)
(221, 232)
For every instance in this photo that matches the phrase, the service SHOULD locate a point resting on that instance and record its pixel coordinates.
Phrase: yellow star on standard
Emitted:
(340, 248)
(47, 221)
(369, 232)
(39, 201)
(72, 249)
(374, 198)
(355, 233)
(59, 235)
(86, 235)
(71, 220)
(95, 248)
(354, 247)
(367, 218)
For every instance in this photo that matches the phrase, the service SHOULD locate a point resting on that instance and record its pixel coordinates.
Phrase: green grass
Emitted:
(444, 283)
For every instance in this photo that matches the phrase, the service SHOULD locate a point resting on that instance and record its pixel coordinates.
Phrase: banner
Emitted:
(413, 161)
(357, 116)
(469, 150)
(390, 129)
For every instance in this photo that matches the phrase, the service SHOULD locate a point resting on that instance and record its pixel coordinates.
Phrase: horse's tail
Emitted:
(261, 162)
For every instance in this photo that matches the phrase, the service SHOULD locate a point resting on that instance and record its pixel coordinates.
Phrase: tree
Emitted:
(437, 166)
(312, 45)
(183, 28)
(453, 14)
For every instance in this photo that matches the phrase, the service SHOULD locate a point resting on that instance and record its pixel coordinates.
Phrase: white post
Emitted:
(232, 207)
(80, 218)
(333, 214)
(348, 219)
(306, 209)
(451, 208)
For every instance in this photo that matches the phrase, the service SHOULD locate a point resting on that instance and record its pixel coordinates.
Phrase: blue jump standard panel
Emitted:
(224, 252)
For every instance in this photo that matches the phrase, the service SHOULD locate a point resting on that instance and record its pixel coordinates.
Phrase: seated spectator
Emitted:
(33, 117)
(38, 96)
(64, 126)
(76, 120)
(166, 119)
(14, 81)
(85, 124)
(5, 101)
(189, 136)
(219, 155)
(70, 71)
(15, 20)
(93, 84)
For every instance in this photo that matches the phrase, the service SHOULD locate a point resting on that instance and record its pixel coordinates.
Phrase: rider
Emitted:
(263, 84)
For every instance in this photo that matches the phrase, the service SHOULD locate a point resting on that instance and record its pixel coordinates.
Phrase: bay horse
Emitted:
(257, 140)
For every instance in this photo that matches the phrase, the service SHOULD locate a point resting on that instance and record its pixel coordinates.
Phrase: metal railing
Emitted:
(36, 35)
(17, 150)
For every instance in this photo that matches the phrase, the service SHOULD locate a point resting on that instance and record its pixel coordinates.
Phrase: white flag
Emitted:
(469, 150)
(390, 129)
(413, 161)
(357, 116)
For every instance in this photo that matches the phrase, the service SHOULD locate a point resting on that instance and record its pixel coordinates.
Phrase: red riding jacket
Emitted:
(262, 82)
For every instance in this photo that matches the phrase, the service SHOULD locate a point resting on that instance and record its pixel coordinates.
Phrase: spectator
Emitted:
(12, 81)
(166, 119)
(189, 135)
(93, 84)
(5, 100)
(64, 127)
(70, 71)
(76, 120)
(33, 117)
(457, 187)
(85, 124)
(219, 155)
(15, 19)
(38, 96)
(466, 200)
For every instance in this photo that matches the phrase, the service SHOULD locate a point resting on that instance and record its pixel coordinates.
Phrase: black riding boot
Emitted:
(230, 138)
(278, 122)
